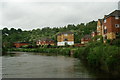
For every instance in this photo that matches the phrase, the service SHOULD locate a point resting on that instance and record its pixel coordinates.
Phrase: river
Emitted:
(36, 65)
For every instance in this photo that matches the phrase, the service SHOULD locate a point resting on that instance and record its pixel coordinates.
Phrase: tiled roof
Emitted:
(114, 13)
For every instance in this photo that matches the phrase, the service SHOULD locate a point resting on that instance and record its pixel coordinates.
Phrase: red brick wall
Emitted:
(110, 24)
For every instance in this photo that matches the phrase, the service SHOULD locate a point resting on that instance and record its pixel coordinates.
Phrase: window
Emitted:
(117, 25)
(105, 21)
(105, 27)
(65, 39)
(117, 34)
(116, 17)
(98, 26)
(105, 31)
(65, 34)
(105, 37)
(98, 31)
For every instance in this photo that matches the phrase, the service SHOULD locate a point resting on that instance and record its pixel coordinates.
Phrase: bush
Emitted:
(104, 56)
(116, 42)
(94, 56)
(79, 53)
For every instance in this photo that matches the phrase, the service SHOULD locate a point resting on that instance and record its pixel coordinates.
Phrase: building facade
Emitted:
(45, 41)
(85, 39)
(65, 38)
(99, 27)
(109, 28)
(93, 34)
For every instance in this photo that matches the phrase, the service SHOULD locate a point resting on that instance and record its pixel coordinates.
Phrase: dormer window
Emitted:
(105, 21)
(117, 25)
(116, 17)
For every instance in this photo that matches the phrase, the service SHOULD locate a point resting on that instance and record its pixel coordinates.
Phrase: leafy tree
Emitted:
(13, 35)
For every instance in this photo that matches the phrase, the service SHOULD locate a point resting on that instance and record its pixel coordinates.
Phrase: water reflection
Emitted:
(38, 65)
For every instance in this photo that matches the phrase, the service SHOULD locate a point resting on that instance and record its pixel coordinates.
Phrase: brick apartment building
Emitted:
(64, 38)
(109, 26)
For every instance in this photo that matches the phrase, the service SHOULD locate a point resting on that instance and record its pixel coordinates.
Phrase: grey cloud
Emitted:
(37, 15)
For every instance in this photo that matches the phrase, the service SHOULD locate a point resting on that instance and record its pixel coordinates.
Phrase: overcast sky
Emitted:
(31, 15)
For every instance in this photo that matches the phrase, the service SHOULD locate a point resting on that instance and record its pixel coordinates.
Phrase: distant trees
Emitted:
(17, 35)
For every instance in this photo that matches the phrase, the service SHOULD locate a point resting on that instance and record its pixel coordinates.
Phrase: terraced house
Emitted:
(45, 41)
(65, 38)
(85, 39)
(109, 26)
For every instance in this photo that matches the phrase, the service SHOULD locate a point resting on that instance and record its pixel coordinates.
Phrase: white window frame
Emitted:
(65, 34)
(105, 27)
(116, 17)
(117, 25)
(105, 21)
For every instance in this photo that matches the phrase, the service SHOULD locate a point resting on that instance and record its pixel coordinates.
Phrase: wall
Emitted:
(69, 37)
(111, 29)
(99, 28)
(63, 43)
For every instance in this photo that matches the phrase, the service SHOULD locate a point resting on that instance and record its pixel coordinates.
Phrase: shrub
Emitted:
(94, 56)
(116, 42)
(79, 53)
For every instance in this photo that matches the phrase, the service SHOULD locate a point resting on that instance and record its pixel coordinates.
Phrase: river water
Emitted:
(36, 65)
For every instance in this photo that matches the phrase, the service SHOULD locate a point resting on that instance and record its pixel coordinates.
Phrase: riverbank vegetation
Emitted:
(104, 57)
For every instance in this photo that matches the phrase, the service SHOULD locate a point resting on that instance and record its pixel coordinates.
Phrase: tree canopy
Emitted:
(18, 35)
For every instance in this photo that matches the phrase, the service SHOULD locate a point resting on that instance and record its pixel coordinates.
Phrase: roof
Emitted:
(46, 39)
(114, 13)
(87, 36)
(101, 20)
(67, 32)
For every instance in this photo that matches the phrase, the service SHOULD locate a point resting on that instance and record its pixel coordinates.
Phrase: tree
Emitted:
(19, 30)
(31, 36)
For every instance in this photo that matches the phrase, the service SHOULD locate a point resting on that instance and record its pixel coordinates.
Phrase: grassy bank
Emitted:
(62, 51)
(103, 57)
